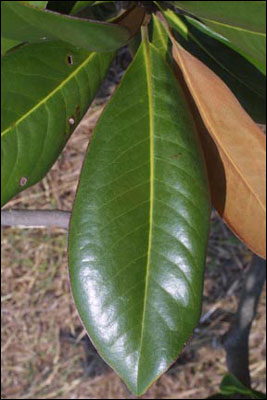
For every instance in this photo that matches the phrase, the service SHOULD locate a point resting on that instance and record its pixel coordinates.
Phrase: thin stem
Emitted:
(144, 33)
(35, 218)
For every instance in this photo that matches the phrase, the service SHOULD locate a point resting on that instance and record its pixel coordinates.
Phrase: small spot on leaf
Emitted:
(71, 121)
(70, 59)
(23, 180)
(176, 156)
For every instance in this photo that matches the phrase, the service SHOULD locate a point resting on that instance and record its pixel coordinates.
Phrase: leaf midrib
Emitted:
(51, 94)
(151, 135)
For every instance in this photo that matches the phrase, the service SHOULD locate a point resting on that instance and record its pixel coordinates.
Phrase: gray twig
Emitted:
(35, 218)
(236, 340)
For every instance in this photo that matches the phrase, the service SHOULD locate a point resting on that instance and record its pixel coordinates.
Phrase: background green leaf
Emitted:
(243, 23)
(24, 23)
(105, 11)
(232, 388)
(223, 11)
(231, 385)
(80, 5)
(139, 225)
(246, 82)
(38, 4)
(45, 89)
(226, 56)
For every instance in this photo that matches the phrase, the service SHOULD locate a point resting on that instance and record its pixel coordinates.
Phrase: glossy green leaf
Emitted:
(139, 225)
(241, 22)
(45, 90)
(244, 79)
(25, 23)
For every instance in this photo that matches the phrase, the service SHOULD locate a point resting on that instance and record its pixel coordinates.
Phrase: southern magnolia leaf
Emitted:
(160, 38)
(46, 88)
(235, 152)
(218, 49)
(241, 22)
(25, 23)
(246, 82)
(139, 225)
(241, 68)
(234, 13)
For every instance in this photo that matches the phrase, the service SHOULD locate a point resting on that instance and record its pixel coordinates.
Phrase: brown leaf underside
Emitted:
(234, 148)
(131, 19)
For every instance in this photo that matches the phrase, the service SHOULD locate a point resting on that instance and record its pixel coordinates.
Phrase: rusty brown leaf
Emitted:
(131, 19)
(234, 148)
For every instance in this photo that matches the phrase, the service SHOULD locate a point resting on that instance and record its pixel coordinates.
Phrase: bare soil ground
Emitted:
(45, 354)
